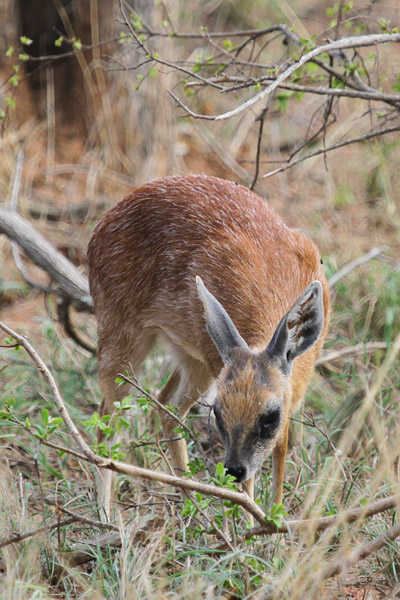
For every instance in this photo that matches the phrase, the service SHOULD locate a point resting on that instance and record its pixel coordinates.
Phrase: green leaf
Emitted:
(396, 86)
(276, 515)
(45, 417)
(14, 80)
(10, 51)
(59, 42)
(220, 469)
(25, 40)
(198, 66)
(10, 102)
(77, 44)
(227, 44)
(127, 402)
(337, 83)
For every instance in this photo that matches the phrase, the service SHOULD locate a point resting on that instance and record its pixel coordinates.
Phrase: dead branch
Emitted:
(19, 537)
(73, 518)
(360, 348)
(320, 524)
(63, 313)
(343, 563)
(70, 281)
(361, 138)
(341, 44)
(361, 260)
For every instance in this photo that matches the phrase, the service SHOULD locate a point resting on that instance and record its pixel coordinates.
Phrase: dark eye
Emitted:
(268, 422)
(218, 419)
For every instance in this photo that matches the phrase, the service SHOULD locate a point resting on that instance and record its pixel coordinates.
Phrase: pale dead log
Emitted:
(71, 282)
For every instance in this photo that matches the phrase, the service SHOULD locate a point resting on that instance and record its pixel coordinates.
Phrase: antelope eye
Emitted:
(218, 419)
(269, 421)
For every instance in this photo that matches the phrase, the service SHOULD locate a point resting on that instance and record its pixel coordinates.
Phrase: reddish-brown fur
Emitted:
(144, 256)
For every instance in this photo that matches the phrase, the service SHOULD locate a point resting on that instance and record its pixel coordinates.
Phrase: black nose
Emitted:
(238, 471)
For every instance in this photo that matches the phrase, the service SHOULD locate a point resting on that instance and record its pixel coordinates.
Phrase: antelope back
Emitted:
(256, 317)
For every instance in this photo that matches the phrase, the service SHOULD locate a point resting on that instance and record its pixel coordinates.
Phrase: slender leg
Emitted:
(278, 466)
(177, 449)
(114, 356)
(248, 487)
(111, 393)
(185, 385)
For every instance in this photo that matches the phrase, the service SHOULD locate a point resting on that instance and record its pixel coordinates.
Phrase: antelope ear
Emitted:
(300, 328)
(219, 324)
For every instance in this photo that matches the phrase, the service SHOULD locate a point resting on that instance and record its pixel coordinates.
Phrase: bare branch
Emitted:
(342, 44)
(343, 563)
(360, 348)
(361, 260)
(322, 523)
(19, 537)
(43, 369)
(46, 256)
(360, 138)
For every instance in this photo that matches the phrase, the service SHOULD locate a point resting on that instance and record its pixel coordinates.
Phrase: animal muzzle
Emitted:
(237, 470)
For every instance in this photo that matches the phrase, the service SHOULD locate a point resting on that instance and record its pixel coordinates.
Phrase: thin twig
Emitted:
(343, 563)
(19, 537)
(82, 518)
(322, 523)
(135, 383)
(360, 348)
(361, 260)
(360, 138)
(43, 369)
(211, 522)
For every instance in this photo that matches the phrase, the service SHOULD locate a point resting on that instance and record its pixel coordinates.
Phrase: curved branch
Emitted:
(43, 369)
(338, 565)
(322, 523)
(342, 44)
(72, 283)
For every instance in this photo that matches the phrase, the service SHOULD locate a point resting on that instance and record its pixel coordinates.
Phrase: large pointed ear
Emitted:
(300, 328)
(219, 324)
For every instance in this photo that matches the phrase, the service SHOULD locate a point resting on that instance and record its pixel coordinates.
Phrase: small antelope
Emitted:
(240, 299)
